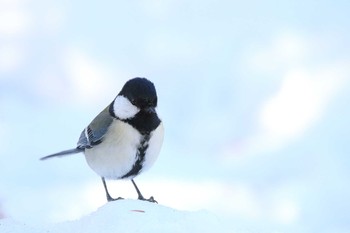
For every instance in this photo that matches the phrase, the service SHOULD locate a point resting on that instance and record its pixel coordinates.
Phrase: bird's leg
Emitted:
(109, 198)
(151, 199)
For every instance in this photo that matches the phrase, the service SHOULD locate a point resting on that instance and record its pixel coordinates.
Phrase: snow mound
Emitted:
(127, 216)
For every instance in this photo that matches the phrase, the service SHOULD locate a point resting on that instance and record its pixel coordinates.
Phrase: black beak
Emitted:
(150, 109)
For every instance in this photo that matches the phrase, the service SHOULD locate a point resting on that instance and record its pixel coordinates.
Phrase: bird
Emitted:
(124, 139)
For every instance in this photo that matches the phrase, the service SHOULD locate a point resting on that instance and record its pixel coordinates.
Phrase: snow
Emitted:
(129, 216)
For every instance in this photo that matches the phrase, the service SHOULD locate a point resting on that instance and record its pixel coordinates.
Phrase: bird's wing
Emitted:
(93, 134)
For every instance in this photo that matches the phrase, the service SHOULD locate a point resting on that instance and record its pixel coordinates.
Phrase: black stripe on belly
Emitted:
(140, 157)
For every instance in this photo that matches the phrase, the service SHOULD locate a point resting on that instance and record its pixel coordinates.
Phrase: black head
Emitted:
(141, 93)
(135, 105)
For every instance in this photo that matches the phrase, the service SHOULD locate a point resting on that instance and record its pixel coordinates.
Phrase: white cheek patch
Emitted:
(123, 108)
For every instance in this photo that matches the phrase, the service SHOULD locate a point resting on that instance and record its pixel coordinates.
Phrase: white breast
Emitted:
(116, 155)
(154, 145)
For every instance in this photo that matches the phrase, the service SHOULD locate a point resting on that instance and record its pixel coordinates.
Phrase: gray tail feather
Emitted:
(62, 153)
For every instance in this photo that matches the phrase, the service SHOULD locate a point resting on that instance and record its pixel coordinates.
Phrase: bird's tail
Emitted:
(63, 153)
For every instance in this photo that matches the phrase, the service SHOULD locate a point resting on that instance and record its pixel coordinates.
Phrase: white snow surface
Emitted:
(129, 216)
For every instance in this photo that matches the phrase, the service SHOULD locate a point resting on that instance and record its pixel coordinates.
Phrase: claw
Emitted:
(114, 199)
(151, 199)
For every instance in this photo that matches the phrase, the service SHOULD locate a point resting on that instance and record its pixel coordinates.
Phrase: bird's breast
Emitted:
(124, 152)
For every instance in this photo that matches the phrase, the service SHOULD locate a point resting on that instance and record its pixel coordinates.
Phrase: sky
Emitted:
(253, 96)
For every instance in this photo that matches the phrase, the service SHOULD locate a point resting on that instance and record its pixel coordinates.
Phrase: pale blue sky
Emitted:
(253, 95)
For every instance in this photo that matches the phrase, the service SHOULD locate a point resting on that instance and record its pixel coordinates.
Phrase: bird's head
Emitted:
(137, 94)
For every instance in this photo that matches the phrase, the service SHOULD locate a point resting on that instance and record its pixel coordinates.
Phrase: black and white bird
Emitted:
(125, 138)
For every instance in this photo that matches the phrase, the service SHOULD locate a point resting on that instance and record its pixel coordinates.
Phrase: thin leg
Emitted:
(109, 198)
(137, 190)
(151, 199)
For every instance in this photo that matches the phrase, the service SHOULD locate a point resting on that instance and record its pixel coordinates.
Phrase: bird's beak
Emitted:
(150, 109)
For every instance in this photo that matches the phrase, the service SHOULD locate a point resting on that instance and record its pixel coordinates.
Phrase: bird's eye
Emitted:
(133, 101)
(150, 102)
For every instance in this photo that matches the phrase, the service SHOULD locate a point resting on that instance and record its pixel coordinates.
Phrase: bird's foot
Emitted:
(109, 198)
(151, 199)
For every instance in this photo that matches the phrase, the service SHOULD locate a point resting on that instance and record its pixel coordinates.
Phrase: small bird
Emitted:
(125, 138)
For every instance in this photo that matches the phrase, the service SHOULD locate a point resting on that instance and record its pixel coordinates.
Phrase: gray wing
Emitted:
(94, 133)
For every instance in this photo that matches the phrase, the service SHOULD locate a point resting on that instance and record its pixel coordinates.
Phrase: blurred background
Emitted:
(254, 96)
